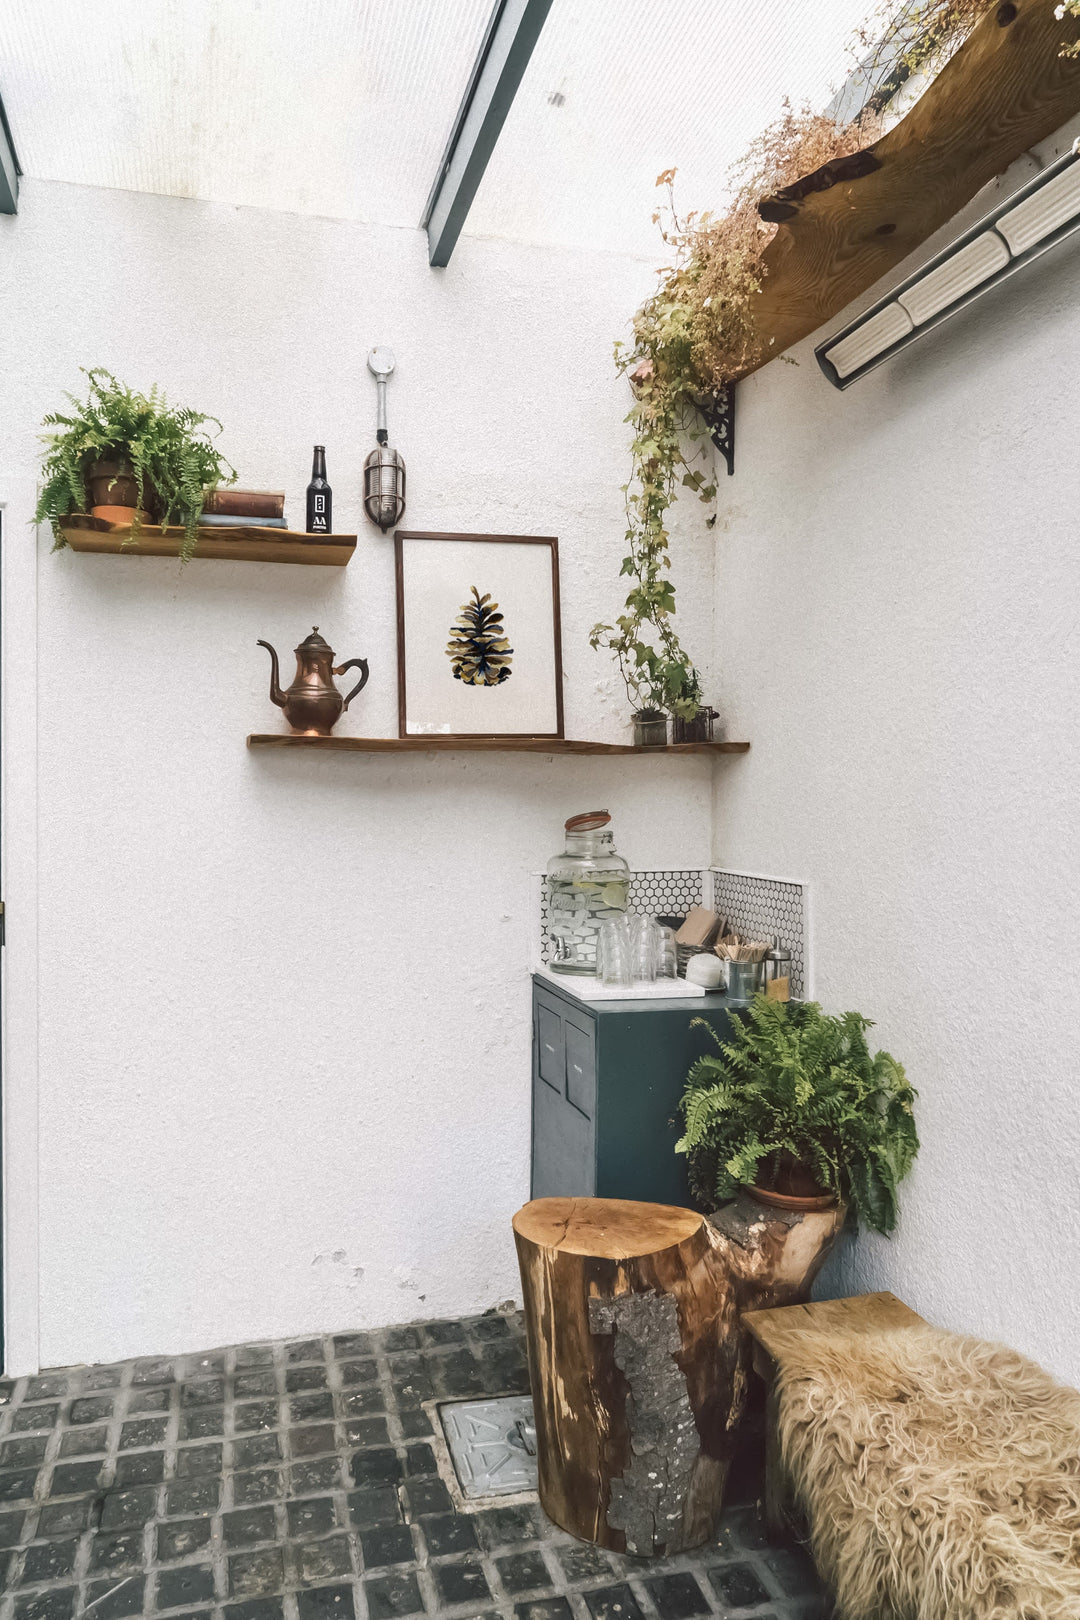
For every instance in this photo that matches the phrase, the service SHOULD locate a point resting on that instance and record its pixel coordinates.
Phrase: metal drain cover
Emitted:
(493, 1445)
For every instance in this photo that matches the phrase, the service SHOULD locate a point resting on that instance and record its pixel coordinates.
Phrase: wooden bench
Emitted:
(774, 1332)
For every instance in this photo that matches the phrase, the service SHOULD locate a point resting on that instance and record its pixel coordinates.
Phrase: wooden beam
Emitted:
(848, 224)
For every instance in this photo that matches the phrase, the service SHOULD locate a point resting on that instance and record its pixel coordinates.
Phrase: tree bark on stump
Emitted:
(639, 1363)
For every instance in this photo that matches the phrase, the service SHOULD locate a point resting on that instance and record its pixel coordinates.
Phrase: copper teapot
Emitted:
(313, 703)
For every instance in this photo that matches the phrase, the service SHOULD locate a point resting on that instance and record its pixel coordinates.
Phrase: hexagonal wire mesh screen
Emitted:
(751, 904)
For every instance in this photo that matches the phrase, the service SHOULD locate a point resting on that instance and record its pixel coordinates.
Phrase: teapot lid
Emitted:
(314, 644)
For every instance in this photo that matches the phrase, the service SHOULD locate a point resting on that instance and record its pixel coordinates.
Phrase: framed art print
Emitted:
(479, 643)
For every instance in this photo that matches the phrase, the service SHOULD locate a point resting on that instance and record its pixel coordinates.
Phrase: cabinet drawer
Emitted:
(580, 1067)
(549, 1044)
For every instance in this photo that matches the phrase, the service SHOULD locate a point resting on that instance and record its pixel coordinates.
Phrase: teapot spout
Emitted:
(276, 694)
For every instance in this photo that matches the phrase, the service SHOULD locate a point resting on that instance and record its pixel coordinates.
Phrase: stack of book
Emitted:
(244, 509)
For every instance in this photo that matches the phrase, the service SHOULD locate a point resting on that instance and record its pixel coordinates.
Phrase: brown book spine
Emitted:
(245, 503)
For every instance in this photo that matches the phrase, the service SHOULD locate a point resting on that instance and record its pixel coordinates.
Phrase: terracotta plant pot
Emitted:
(779, 1200)
(112, 483)
(120, 514)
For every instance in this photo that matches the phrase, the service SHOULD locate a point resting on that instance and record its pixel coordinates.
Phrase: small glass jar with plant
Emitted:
(127, 457)
(796, 1109)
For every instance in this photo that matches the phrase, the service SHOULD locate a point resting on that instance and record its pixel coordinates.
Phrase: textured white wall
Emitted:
(897, 617)
(284, 1050)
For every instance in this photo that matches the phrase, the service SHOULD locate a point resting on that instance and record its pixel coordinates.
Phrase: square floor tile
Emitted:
(28, 1450)
(324, 1560)
(253, 1573)
(353, 1344)
(142, 1432)
(54, 1605)
(613, 1603)
(426, 1496)
(248, 1526)
(255, 1450)
(449, 1533)
(316, 1474)
(379, 1466)
(583, 1563)
(193, 1496)
(11, 1528)
(414, 1422)
(387, 1544)
(402, 1338)
(180, 1588)
(254, 1355)
(391, 1595)
(489, 1327)
(502, 1527)
(115, 1600)
(316, 1407)
(368, 1508)
(255, 1609)
(28, 1419)
(194, 1460)
(313, 1516)
(204, 1392)
(18, 1486)
(677, 1597)
(551, 1608)
(139, 1468)
(262, 1384)
(48, 1561)
(311, 1440)
(91, 1410)
(359, 1372)
(737, 1586)
(261, 1485)
(69, 1517)
(84, 1442)
(301, 1378)
(367, 1431)
(202, 1423)
(121, 1552)
(522, 1572)
(327, 1603)
(363, 1402)
(179, 1538)
(461, 1583)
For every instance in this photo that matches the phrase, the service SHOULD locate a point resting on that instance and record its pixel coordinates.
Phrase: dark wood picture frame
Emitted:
(551, 541)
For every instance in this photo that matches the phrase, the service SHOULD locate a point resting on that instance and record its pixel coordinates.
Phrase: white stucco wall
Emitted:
(282, 1075)
(898, 592)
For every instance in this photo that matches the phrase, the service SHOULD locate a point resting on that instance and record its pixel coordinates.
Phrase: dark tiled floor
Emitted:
(297, 1481)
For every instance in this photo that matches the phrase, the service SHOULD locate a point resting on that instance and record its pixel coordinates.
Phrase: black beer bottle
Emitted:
(319, 495)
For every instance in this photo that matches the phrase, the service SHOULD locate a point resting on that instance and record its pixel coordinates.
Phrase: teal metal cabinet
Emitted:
(607, 1078)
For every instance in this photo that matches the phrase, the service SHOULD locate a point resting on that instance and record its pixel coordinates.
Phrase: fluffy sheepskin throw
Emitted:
(940, 1476)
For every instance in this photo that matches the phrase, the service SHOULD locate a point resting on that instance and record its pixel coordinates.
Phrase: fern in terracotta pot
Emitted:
(129, 455)
(796, 1107)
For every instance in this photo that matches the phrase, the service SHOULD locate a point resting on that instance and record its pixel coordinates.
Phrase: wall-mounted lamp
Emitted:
(1035, 218)
(384, 470)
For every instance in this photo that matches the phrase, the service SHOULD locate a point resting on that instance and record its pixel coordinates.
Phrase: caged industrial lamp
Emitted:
(384, 470)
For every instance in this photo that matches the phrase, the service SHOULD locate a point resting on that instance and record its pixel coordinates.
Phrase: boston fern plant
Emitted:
(799, 1087)
(173, 459)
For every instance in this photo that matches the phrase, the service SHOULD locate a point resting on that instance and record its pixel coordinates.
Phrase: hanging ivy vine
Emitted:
(697, 332)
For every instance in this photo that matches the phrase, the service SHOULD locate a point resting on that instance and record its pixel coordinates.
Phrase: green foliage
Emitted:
(478, 643)
(172, 456)
(794, 1081)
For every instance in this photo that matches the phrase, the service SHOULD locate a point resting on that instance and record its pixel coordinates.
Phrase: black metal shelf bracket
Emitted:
(719, 416)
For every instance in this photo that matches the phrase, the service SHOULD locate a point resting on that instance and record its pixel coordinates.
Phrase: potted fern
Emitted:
(126, 456)
(796, 1109)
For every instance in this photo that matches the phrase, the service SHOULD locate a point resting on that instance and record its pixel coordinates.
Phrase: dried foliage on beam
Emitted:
(821, 210)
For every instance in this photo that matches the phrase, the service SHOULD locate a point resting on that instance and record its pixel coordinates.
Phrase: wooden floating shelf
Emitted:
(479, 745)
(247, 544)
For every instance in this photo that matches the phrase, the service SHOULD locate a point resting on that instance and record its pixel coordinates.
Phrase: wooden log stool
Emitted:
(638, 1360)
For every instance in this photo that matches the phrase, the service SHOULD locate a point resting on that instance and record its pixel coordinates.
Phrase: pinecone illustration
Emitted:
(478, 648)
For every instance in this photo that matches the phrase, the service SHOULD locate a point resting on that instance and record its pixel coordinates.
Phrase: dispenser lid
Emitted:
(589, 822)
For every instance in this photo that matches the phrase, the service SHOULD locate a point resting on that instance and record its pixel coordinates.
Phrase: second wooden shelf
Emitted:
(487, 745)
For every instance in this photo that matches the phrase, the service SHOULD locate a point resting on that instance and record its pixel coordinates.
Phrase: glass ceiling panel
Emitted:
(337, 107)
(617, 92)
(343, 107)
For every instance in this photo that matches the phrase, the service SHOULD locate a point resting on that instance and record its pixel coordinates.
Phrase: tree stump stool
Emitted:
(638, 1360)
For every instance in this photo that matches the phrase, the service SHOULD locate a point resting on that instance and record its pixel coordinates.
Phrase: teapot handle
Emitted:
(354, 663)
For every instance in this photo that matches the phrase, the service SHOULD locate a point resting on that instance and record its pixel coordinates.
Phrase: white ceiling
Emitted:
(343, 107)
